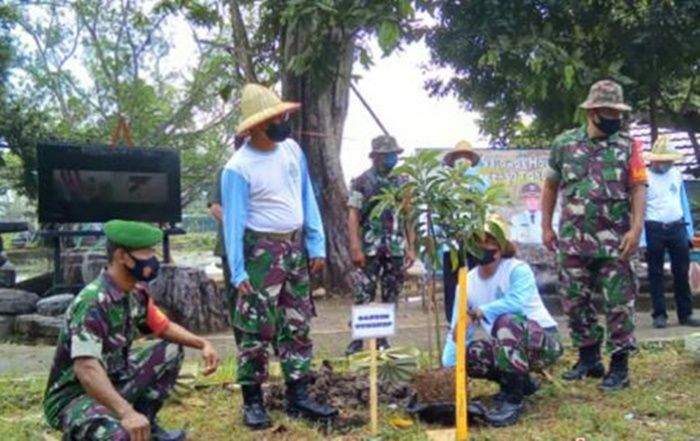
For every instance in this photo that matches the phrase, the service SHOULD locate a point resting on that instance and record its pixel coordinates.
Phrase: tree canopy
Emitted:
(539, 57)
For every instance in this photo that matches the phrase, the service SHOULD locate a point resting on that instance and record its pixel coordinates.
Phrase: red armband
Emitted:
(155, 318)
(637, 168)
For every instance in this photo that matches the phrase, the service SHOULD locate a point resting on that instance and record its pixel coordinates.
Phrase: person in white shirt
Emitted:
(274, 236)
(523, 336)
(668, 227)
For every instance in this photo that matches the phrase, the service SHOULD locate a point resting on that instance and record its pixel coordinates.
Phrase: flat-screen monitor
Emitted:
(94, 183)
(692, 187)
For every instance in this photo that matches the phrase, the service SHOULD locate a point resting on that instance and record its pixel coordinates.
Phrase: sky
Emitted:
(393, 87)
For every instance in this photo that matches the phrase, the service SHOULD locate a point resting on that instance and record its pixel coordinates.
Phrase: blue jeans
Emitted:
(671, 237)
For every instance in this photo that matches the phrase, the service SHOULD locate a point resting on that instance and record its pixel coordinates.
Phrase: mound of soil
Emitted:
(343, 390)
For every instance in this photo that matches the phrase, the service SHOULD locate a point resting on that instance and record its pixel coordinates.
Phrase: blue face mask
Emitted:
(140, 265)
(390, 160)
(661, 168)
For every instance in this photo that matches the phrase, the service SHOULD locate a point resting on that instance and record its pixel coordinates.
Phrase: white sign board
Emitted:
(376, 320)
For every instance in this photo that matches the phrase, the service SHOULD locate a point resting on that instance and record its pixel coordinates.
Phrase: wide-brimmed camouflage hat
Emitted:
(606, 93)
(384, 144)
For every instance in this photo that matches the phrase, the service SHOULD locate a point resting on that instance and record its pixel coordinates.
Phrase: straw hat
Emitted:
(259, 104)
(463, 149)
(663, 151)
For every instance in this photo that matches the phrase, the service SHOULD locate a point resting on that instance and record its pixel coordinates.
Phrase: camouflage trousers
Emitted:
(579, 278)
(386, 269)
(517, 345)
(145, 383)
(278, 312)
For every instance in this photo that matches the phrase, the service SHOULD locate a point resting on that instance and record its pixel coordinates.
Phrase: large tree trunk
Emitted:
(319, 127)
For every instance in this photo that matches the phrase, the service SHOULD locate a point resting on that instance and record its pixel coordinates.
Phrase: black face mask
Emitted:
(488, 256)
(140, 266)
(608, 126)
(278, 132)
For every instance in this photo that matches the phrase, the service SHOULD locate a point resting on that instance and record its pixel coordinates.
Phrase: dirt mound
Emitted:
(343, 390)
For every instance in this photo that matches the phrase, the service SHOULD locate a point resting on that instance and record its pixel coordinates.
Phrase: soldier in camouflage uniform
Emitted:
(523, 336)
(272, 227)
(381, 249)
(100, 388)
(601, 176)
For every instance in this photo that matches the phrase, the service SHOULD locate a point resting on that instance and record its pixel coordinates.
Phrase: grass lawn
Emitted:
(661, 405)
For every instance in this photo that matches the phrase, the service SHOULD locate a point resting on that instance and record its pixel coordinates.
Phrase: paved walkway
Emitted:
(331, 334)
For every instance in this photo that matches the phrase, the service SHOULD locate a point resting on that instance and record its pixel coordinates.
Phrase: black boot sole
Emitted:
(624, 385)
(261, 426)
(509, 422)
(595, 372)
(300, 414)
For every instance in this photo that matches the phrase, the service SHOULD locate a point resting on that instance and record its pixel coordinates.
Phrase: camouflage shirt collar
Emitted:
(113, 291)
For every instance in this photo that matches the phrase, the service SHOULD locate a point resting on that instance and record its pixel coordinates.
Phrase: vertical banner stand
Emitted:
(461, 379)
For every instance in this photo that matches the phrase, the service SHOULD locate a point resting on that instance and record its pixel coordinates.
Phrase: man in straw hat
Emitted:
(461, 153)
(272, 228)
(381, 249)
(601, 175)
(100, 387)
(668, 228)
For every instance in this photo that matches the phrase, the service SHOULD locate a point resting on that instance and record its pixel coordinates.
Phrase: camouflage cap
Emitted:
(130, 234)
(606, 93)
(384, 144)
(530, 187)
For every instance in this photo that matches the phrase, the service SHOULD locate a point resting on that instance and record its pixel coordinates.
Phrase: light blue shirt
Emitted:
(521, 288)
(268, 192)
(666, 194)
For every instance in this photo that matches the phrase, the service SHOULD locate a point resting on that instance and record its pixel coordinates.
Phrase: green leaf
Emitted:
(225, 92)
(568, 76)
(389, 33)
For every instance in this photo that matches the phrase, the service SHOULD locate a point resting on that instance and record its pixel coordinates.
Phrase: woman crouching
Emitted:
(523, 336)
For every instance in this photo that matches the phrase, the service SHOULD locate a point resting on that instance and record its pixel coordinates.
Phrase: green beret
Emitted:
(134, 235)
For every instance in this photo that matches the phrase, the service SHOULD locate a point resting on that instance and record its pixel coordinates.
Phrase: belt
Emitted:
(676, 223)
(294, 235)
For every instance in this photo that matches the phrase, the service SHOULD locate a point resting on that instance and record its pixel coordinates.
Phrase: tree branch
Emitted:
(241, 45)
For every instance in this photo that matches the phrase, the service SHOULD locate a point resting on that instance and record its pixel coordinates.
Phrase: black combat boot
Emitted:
(588, 364)
(157, 432)
(383, 344)
(532, 385)
(254, 414)
(508, 411)
(476, 409)
(618, 375)
(299, 404)
(355, 346)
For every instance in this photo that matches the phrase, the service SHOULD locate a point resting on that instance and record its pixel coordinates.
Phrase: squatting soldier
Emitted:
(100, 388)
(523, 336)
(381, 249)
(271, 224)
(600, 172)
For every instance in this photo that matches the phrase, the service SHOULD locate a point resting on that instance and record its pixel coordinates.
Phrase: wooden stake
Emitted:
(373, 398)
(461, 379)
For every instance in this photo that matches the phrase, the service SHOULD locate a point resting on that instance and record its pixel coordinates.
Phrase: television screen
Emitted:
(693, 189)
(79, 183)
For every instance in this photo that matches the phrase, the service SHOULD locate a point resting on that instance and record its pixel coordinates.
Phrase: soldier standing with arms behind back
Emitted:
(381, 249)
(600, 172)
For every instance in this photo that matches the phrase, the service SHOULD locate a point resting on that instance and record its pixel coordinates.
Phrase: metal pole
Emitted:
(369, 109)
